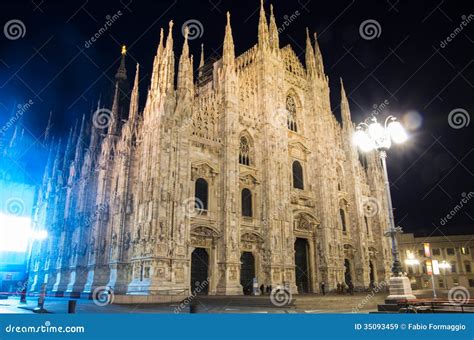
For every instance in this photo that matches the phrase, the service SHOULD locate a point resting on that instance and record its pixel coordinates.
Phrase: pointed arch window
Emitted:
(342, 214)
(291, 113)
(201, 194)
(246, 201)
(244, 151)
(298, 182)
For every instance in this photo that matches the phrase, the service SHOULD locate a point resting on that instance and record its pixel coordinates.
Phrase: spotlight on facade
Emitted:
(14, 233)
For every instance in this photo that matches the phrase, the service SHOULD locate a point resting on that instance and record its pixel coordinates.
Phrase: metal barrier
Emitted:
(435, 306)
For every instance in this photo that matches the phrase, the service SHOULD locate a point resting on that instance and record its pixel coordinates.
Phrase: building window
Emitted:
(342, 213)
(244, 151)
(450, 251)
(453, 267)
(464, 251)
(436, 251)
(298, 181)
(201, 194)
(421, 252)
(246, 197)
(471, 282)
(291, 112)
(467, 265)
(441, 283)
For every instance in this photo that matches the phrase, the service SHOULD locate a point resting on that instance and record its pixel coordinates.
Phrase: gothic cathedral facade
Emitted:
(235, 174)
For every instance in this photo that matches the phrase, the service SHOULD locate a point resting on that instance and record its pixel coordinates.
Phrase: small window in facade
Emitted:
(246, 199)
(201, 194)
(342, 213)
(298, 181)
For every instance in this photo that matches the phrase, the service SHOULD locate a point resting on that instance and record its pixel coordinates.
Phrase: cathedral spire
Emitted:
(310, 61)
(168, 76)
(67, 151)
(12, 143)
(133, 112)
(345, 111)
(274, 40)
(201, 61)
(263, 38)
(319, 57)
(57, 160)
(49, 163)
(79, 141)
(157, 63)
(228, 57)
(185, 51)
(114, 115)
(121, 74)
(94, 133)
(185, 71)
(120, 99)
(47, 130)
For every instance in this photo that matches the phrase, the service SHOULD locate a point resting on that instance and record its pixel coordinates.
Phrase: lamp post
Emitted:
(369, 136)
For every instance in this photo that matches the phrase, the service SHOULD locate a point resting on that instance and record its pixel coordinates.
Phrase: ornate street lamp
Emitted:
(369, 136)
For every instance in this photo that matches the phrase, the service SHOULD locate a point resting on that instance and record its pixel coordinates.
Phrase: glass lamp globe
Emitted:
(397, 132)
(376, 131)
(363, 141)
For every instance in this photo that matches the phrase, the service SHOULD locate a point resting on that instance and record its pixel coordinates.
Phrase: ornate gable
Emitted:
(203, 169)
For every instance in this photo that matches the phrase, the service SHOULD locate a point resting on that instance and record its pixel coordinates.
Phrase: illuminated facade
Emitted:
(241, 173)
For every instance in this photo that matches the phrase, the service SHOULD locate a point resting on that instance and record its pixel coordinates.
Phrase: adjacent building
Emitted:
(454, 253)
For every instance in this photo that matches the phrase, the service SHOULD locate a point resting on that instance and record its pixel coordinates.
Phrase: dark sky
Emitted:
(406, 64)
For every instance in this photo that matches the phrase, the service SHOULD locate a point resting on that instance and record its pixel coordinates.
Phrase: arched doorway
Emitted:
(247, 271)
(301, 265)
(347, 272)
(199, 271)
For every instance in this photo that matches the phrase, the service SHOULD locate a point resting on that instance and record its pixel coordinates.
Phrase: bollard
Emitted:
(71, 306)
(40, 308)
(41, 296)
(23, 296)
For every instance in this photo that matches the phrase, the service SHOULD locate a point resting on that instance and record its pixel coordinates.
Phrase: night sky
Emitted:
(407, 64)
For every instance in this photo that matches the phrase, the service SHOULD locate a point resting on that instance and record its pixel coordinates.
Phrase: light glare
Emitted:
(376, 131)
(397, 132)
(14, 233)
(363, 141)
